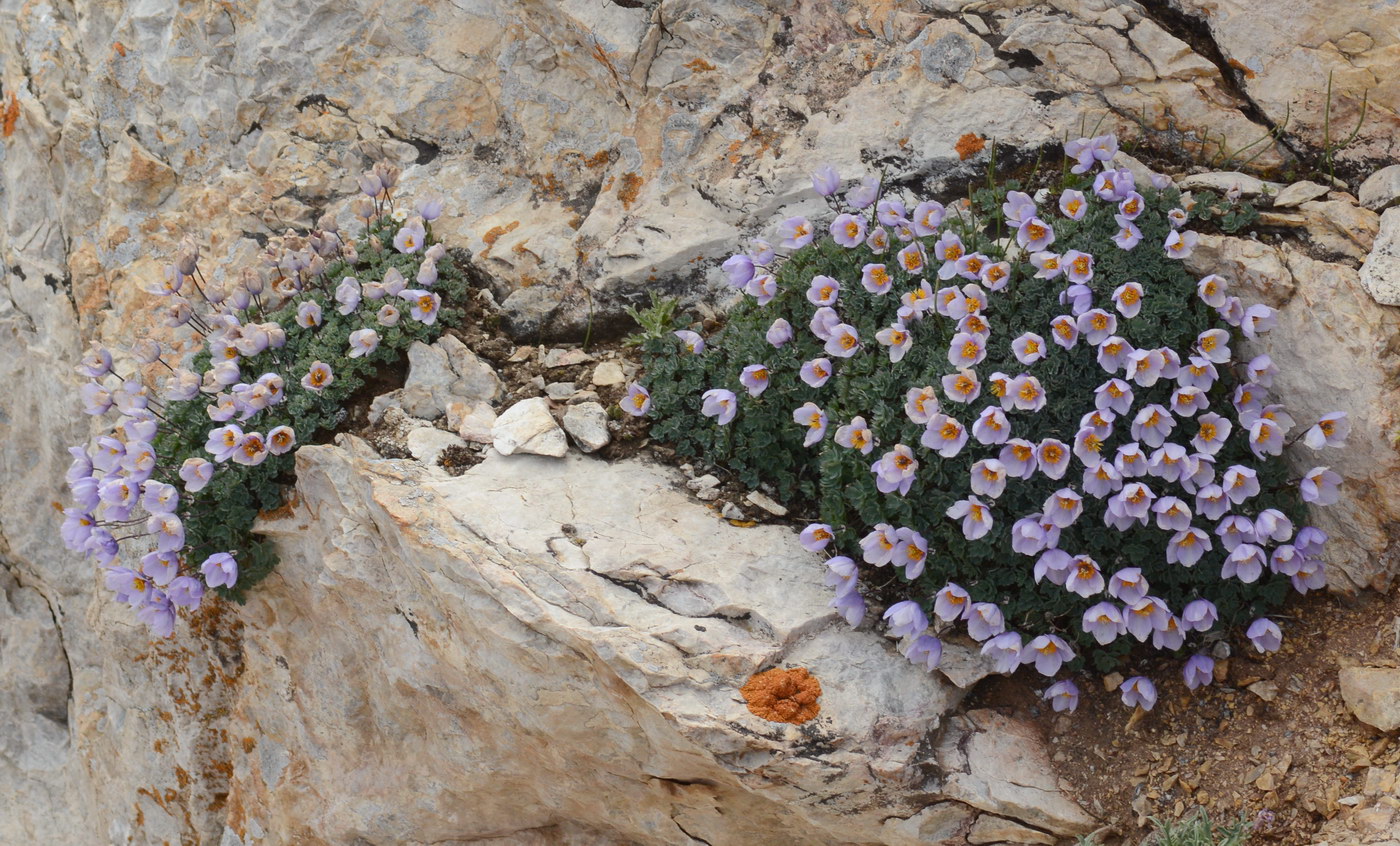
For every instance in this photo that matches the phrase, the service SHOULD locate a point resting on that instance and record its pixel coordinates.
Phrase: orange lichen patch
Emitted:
(494, 233)
(11, 114)
(598, 159)
(120, 48)
(248, 745)
(970, 145)
(699, 65)
(783, 696)
(1240, 66)
(629, 189)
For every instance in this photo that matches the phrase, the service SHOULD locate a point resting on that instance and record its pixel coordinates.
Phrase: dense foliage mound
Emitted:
(1019, 414)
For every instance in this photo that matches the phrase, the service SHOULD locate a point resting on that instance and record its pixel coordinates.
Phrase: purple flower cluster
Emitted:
(1165, 477)
(132, 495)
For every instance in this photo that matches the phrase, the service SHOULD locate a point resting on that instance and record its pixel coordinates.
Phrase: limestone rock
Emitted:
(560, 391)
(587, 424)
(1298, 193)
(445, 372)
(556, 358)
(990, 829)
(529, 427)
(1222, 182)
(536, 669)
(427, 443)
(999, 765)
(471, 421)
(1381, 190)
(1380, 275)
(1373, 695)
(767, 503)
(607, 374)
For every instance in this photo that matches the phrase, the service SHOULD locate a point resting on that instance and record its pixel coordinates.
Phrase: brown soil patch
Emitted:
(1289, 760)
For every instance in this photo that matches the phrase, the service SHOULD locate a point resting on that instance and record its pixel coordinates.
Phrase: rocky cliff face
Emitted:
(420, 651)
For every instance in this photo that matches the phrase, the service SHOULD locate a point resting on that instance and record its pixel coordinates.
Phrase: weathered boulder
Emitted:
(1373, 695)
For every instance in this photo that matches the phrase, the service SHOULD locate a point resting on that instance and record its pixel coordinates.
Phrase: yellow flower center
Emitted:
(1048, 649)
(902, 462)
(914, 553)
(1099, 321)
(1092, 442)
(1086, 570)
(975, 513)
(964, 385)
(852, 229)
(1130, 296)
(848, 341)
(950, 431)
(1052, 453)
(1029, 392)
(897, 337)
(1081, 264)
(1074, 206)
(1064, 328)
(639, 400)
(1035, 231)
(970, 350)
(1032, 346)
(952, 253)
(858, 438)
(1022, 453)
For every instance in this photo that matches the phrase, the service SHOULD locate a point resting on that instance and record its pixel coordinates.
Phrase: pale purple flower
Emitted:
(738, 270)
(720, 404)
(984, 620)
(1019, 206)
(1131, 206)
(1264, 634)
(1240, 483)
(1311, 575)
(1285, 560)
(1331, 430)
(1028, 348)
(841, 573)
(1257, 320)
(318, 378)
(991, 426)
(1128, 235)
(1005, 651)
(1047, 264)
(906, 619)
(127, 584)
(1085, 578)
(159, 498)
(848, 230)
(816, 537)
(874, 277)
(309, 314)
(1187, 546)
(856, 435)
(894, 472)
(948, 249)
(1180, 244)
(1211, 289)
(1211, 502)
(813, 418)
(1128, 585)
(1064, 331)
(1310, 541)
(962, 386)
(1082, 151)
(281, 439)
(877, 547)
(1139, 691)
(1025, 393)
(1062, 696)
(1262, 371)
(825, 180)
(851, 606)
(816, 372)
(951, 603)
(1053, 564)
(976, 517)
(1235, 530)
(1152, 424)
(1028, 535)
(1063, 507)
(1019, 457)
(911, 259)
(1245, 562)
(1078, 266)
(920, 404)
(796, 233)
(988, 478)
(1105, 622)
(1102, 479)
(224, 441)
(897, 338)
(1034, 234)
(1199, 615)
(1097, 325)
(1114, 185)
(161, 566)
(1320, 486)
(944, 435)
(252, 450)
(763, 288)
(864, 194)
(185, 591)
(755, 379)
(779, 333)
(424, 305)
(844, 342)
(158, 614)
(928, 216)
(220, 570)
(410, 237)
(388, 315)
(363, 342)
(196, 473)
(761, 251)
(1048, 652)
(1198, 671)
(1232, 312)
(924, 650)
